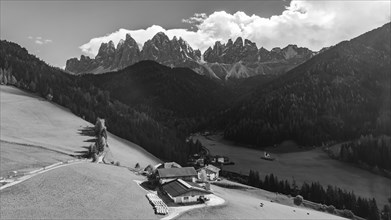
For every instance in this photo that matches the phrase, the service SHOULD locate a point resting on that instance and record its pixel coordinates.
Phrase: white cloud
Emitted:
(40, 40)
(312, 24)
(197, 19)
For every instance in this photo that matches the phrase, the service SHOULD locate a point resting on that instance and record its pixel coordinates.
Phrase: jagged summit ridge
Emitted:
(235, 59)
(160, 48)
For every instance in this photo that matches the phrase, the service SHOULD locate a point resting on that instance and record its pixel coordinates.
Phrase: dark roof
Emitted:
(177, 172)
(179, 187)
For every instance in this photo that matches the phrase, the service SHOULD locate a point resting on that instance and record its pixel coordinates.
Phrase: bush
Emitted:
(347, 214)
(117, 164)
(330, 209)
(298, 200)
(322, 207)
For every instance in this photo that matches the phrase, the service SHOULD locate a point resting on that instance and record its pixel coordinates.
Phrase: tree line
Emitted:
(27, 72)
(315, 192)
(374, 152)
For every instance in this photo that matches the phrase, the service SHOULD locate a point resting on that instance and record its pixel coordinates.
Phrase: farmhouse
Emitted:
(212, 172)
(184, 192)
(168, 174)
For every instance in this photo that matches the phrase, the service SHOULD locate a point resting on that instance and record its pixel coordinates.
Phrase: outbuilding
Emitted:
(211, 171)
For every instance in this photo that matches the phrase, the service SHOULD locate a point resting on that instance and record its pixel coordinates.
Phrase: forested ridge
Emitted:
(338, 95)
(177, 97)
(374, 152)
(25, 71)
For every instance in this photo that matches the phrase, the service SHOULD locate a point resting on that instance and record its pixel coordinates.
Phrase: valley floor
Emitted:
(302, 166)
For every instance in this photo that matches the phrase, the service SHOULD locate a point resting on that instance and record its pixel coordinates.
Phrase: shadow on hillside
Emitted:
(92, 140)
(147, 186)
(82, 153)
(87, 131)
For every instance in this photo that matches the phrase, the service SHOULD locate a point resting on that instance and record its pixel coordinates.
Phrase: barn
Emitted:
(181, 191)
(168, 174)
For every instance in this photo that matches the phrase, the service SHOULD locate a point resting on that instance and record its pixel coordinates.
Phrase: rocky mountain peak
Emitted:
(248, 42)
(130, 41)
(238, 42)
(106, 49)
(229, 43)
(160, 38)
(120, 43)
(111, 45)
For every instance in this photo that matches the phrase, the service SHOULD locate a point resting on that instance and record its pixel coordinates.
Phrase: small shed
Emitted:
(212, 172)
(181, 191)
(168, 174)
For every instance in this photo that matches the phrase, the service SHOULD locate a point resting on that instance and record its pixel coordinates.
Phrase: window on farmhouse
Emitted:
(186, 198)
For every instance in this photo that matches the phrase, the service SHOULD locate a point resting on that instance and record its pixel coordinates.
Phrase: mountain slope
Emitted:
(339, 94)
(176, 89)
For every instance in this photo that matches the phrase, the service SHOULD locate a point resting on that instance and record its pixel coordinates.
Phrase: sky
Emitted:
(58, 30)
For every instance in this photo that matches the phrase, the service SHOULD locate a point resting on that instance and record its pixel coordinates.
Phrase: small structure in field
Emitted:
(181, 191)
(168, 174)
(220, 160)
(167, 165)
(211, 171)
(266, 156)
(196, 160)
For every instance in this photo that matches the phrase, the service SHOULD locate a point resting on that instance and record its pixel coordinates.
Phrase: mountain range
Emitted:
(239, 59)
(337, 95)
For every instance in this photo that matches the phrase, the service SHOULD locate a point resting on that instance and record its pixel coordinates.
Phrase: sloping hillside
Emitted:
(29, 119)
(40, 133)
